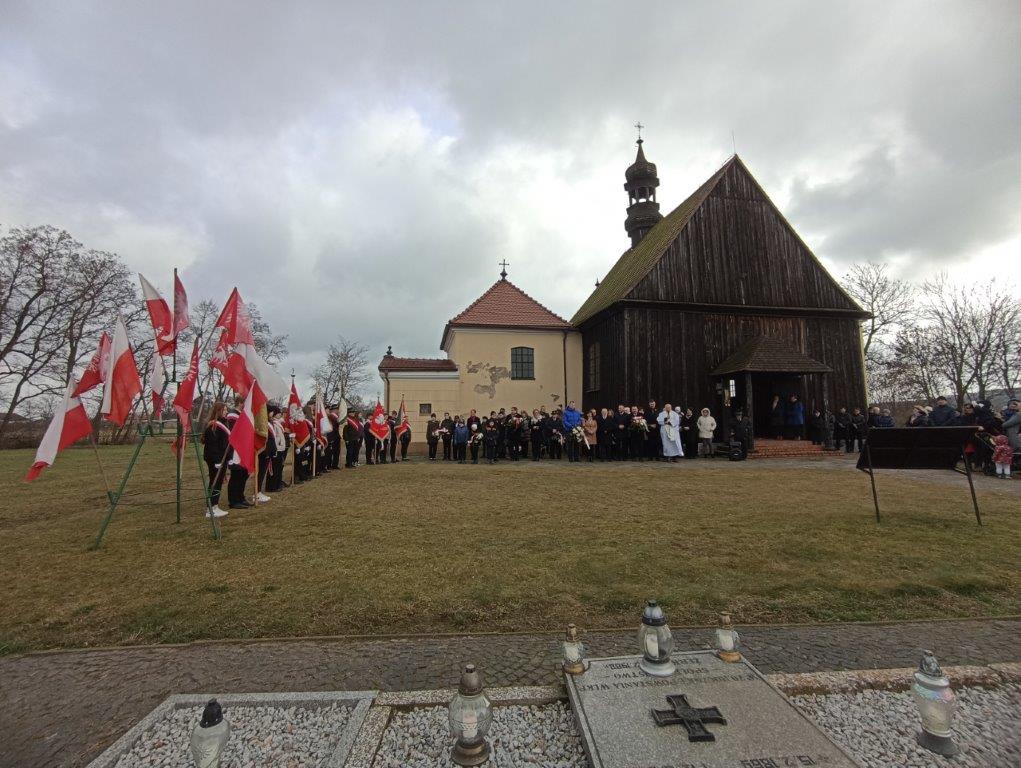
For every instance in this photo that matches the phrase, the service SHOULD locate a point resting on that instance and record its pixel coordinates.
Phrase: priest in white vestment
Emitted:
(670, 433)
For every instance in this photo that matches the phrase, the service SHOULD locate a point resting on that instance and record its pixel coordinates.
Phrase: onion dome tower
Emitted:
(641, 182)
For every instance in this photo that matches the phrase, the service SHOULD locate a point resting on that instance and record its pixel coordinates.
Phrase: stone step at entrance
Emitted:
(771, 449)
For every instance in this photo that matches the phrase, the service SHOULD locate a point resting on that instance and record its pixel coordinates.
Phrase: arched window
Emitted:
(522, 363)
(592, 382)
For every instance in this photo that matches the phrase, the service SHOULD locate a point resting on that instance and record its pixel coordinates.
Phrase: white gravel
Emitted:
(288, 737)
(879, 727)
(537, 736)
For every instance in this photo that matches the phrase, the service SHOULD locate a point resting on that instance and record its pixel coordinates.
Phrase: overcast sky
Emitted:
(360, 169)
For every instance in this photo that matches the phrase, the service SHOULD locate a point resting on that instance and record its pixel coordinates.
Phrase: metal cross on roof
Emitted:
(639, 126)
(692, 718)
(503, 272)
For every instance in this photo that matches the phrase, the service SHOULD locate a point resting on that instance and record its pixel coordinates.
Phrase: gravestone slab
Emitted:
(718, 715)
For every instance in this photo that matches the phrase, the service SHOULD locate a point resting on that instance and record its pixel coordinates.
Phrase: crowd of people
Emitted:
(627, 433)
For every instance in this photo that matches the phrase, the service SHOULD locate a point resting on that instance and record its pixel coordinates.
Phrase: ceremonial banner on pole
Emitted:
(402, 420)
(69, 424)
(186, 396)
(159, 314)
(378, 426)
(242, 435)
(294, 418)
(323, 425)
(181, 319)
(95, 374)
(122, 380)
(157, 380)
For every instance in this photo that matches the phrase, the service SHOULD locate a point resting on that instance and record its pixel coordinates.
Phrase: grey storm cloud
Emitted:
(360, 169)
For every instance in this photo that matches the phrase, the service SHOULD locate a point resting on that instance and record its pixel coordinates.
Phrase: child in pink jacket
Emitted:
(1003, 455)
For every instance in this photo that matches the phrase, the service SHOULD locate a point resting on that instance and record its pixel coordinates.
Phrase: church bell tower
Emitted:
(641, 182)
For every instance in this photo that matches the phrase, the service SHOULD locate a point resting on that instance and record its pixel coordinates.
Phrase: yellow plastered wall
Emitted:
(483, 359)
(440, 394)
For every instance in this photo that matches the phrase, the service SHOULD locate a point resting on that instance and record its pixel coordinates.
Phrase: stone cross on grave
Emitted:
(692, 718)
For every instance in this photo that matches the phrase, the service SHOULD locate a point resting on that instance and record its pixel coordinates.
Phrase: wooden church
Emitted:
(720, 304)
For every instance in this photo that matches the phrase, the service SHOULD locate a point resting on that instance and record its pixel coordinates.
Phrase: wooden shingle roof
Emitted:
(636, 262)
(765, 354)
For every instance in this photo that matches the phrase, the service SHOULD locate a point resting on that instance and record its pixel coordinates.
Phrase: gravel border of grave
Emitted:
(360, 702)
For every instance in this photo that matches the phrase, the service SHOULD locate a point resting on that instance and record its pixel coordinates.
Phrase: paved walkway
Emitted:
(64, 708)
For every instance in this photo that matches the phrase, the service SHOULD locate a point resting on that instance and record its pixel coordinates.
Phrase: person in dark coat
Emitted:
(689, 433)
(742, 432)
(942, 414)
(816, 427)
(489, 441)
(535, 433)
(884, 420)
(857, 431)
(553, 435)
(621, 425)
(276, 446)
(604, 434)
(215, 448)
(776, 417)
(353, 439)
(448, 436)
(370, 440)
(431, 438)
(333, 439)
(842, 428)
(653, 442)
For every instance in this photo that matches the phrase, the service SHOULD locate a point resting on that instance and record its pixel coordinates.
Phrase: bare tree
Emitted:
(890, 301)
(55, 296)
(344, 370)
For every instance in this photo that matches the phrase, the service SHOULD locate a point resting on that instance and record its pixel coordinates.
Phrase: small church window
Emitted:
(425, 409)
(522, 363)
(593, 367)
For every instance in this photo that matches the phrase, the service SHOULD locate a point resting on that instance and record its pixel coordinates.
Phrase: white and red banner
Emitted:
(70, 423)
(402, 421)
(160, 316)
(242, 434)
(122, 380)
(181, 319)
(95, 374)
(236, 358)
(378, 426)
(185, 396)
(323, 425)
(157, 382)
(294, 418)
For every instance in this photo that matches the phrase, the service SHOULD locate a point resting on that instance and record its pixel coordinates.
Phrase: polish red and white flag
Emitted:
(70, 423)
(122, 380)
(402, 420)
(242, 434)
(160, 316)
(294, 418)
(157, 381)
(378, 426)
(323, 425)
(236, 357)
(95, 374)
(181, 319)
(185, 396)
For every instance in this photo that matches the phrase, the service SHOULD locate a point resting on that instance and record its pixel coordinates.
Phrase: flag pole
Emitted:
(180, 429)
(102, 471)
(294, 445)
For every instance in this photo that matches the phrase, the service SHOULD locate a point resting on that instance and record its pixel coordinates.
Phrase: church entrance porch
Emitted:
(760, 369)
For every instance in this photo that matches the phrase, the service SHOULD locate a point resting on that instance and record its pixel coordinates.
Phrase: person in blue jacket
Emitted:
(794, 418)
(461, 435)
(571, 419)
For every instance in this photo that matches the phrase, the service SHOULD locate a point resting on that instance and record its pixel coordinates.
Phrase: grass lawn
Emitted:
(433, 547)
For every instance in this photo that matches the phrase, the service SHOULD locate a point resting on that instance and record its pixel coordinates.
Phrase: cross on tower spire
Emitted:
(503, 272)
(639, 126)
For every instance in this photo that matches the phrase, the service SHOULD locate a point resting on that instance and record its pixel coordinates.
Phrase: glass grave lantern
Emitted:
(727, 640)
(937, 705)
(210, 736)
(656, 642)
(574, 652)
(470, 716)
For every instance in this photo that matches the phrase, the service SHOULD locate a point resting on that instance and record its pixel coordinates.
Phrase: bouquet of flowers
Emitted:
(639, 424)
(558, 436)
(475, 438)
(579, 435)
(441, 432)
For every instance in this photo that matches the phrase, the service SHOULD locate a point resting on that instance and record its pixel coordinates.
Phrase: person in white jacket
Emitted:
(706, 428)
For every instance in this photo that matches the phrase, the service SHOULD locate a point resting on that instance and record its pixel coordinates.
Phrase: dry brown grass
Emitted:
(433, 547)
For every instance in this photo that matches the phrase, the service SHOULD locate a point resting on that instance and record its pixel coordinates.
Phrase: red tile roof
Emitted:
(420, 364)
(505, 305)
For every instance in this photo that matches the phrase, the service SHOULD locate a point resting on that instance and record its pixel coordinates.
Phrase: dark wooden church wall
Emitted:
(737, 249)
(669, 354)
